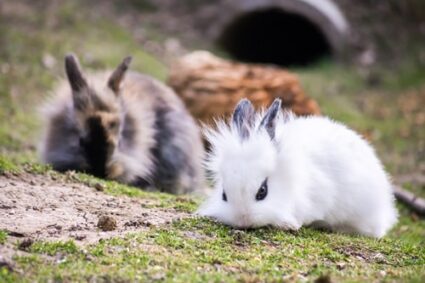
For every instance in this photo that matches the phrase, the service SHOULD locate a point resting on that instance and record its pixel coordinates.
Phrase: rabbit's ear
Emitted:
(73, 72)
(77, 82)
(243, 117)
(270, 118)
(118, 75)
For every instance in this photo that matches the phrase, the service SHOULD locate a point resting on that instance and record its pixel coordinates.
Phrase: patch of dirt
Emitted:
(40, 208)
(362, 254)
(7, 252)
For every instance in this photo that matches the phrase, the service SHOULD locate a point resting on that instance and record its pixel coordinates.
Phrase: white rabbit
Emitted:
(276, 169)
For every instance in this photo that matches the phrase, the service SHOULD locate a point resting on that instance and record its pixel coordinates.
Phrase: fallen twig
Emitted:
(414, 202)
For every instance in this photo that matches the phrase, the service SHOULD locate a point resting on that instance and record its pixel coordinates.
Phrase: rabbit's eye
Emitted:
(223, 196)
(262, 191)
(113, 124)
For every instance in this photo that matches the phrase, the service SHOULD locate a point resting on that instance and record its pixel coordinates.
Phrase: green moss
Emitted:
(198, 250)
(7, 276)
(52, 248)
(3, 237)
(31, 259)
(6, 165)
(37, 168)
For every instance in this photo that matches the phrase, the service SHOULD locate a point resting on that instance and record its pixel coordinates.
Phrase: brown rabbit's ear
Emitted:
(117, 76)
(243, 117)
(269, 120)
(73, 72)
(77, 81)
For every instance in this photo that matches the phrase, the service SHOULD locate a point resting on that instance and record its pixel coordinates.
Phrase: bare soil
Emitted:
(40, 208)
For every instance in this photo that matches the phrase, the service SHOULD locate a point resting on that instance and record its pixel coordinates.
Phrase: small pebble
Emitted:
(323, 279)
(107, 223)
(7, 174)
(25, 244)
(99, 187)
(79, 237)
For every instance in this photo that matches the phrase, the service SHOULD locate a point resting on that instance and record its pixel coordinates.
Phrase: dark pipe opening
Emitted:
(275, 36)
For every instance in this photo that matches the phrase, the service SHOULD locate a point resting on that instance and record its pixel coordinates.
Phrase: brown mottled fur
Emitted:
(130, 128)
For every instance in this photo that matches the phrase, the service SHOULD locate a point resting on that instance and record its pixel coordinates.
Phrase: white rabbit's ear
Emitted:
(270, 118)
(243, 118)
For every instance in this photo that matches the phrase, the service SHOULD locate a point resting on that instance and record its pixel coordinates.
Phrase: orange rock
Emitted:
(211, 86)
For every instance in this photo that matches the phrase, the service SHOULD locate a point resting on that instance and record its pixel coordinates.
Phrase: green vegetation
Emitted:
(3, 237)
(200, 250)
(384, 106)
(159, 200)
(7, 165)
(52, 248)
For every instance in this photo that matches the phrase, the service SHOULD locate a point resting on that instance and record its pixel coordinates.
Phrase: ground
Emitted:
(49, 221)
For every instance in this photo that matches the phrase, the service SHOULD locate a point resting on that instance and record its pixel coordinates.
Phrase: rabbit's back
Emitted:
(343, 180)
(328, 144)
(174, 140)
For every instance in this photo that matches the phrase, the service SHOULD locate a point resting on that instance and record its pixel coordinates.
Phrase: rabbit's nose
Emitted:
(244, 221)
(112, 140)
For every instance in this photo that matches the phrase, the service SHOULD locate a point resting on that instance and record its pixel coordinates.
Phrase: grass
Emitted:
(200, 250)
(3, 237)
(53, 248)
(196, 250)
(7, 165)
(159, 200)
(384, 106)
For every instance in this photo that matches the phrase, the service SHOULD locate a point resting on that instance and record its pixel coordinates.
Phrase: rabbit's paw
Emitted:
(115, 170)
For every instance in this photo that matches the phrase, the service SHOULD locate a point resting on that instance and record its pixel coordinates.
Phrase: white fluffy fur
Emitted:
(319, 173)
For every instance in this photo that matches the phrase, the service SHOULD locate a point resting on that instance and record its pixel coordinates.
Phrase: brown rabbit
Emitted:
(125, 127)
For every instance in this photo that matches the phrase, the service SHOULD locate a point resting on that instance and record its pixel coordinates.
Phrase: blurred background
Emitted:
(363, 61)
